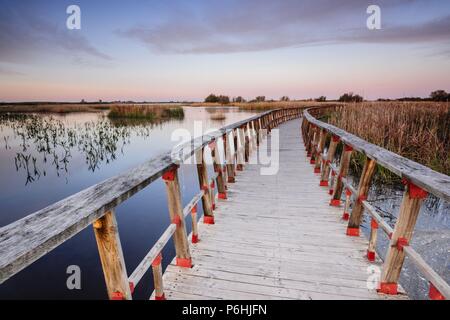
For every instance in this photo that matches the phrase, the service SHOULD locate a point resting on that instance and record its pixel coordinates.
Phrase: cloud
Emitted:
(432, 31)
(258, 25)
(9, 72)
(24, 36)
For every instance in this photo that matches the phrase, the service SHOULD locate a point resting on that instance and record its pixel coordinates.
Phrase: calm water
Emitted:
(44, 159)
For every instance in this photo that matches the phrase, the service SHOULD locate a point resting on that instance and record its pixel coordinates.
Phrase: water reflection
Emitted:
(46, 143)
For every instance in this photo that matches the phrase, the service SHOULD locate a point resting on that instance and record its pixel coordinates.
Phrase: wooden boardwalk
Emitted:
(276, 237)
(269, 237)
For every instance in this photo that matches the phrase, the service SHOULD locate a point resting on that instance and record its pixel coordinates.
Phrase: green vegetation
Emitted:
(350, 97)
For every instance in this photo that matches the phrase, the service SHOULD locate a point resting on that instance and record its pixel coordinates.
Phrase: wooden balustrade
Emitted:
(418, 179)
(28, 239)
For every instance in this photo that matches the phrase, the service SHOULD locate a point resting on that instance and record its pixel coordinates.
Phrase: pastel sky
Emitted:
(185, 49)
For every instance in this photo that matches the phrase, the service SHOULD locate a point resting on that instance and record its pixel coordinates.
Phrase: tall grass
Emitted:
(148, 112)
(52, 108)
(418, 131)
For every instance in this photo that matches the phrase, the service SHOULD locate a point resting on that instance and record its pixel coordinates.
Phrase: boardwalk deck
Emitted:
(276, 237)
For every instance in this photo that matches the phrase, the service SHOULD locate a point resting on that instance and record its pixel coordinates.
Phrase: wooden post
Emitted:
(229, 156)
(236, 150)
(251, 133)
(303, 130)
(241, 149)
(195, 238)
(363, 189)
(372, 240)
(204, 185)
(247, 144)
(343, 170)
(111, 257)
(314, 144)
(257, 138)
(183, 255)
(158, 278)
(330, 156)
(225, 158)
(332, 180)
(346, 214)
(320, 145)
(413, 198)
(222, 193)
(310, 139)
(212, 194)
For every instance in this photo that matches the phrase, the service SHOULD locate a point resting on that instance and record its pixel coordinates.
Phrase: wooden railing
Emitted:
(28, 239)
(418, 179)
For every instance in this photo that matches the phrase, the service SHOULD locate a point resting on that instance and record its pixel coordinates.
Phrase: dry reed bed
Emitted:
(150, 112)
(52, 108)
(418, 131)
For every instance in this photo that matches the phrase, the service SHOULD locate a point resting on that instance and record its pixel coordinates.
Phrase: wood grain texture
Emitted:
(404, 228)
(111, 256)
(363, 189)
(202, 174)
(176, 212)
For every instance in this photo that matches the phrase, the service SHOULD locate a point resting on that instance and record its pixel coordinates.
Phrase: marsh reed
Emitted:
(149, 112)
(419, 131)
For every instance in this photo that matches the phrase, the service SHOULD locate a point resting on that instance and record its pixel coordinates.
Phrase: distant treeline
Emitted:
(438, 95)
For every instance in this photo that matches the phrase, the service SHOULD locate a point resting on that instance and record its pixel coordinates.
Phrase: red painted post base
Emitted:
(184, 262)
(353, 232)
(222, 195)
(195, 238)
(388, 288)
(346, 216)
(371, 256)
(434, 293)
(312, 161)
(324, 183)
(231, 180)
(117, 296)
(163, 297)
(335, 202)
(208, 219)
(316, 170)
(240, 167)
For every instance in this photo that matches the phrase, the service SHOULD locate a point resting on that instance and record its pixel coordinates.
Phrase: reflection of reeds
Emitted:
(45, 142)
(417, 131)
(149, 112)
(218, 116)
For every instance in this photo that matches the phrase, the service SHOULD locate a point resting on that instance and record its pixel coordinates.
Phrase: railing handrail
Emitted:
(26, 240)
(416, 191)
(434, 182)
